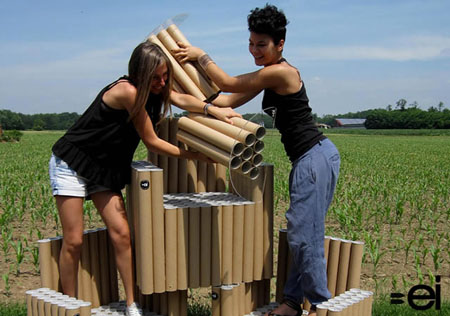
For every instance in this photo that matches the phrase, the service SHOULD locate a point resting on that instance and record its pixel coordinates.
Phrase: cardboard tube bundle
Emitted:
(352, 302)
(46, 302)
(167, 303)
(223, 137)
(212, 89)
(94, 284)
(180, 75)
(340, 271)
(187, 175)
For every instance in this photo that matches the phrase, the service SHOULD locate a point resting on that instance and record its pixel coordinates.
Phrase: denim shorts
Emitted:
(66, 182)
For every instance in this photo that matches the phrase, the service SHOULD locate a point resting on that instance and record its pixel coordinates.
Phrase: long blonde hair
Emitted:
(144, 60)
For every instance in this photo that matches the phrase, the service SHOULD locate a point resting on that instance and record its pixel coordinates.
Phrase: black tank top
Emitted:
(101, 144)
(292, 117)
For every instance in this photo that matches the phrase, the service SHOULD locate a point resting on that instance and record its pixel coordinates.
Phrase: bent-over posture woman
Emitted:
(93, 158)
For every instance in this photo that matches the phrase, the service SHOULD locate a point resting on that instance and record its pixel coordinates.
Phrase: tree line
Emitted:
(17, 121)
(400, 116)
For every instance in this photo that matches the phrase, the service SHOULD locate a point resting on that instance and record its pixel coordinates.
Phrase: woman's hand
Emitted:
(223, 114)
(186, 53)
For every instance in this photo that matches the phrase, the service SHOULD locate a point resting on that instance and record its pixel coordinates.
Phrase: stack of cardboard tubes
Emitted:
(187, 232)
(189, 77)
(97, 273)
(47, 302)
(343, 261)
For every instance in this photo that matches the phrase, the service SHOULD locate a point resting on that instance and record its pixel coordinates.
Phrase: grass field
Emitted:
(393, 193)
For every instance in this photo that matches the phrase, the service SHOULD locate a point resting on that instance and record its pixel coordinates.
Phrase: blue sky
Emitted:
(353, 55)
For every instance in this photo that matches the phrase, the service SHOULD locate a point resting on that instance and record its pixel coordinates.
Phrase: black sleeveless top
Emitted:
(292, 117)
(101, 144)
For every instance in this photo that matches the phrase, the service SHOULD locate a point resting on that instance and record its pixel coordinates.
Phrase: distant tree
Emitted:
(414, 105)
(401, 104)
(440, 106)
(389, 107)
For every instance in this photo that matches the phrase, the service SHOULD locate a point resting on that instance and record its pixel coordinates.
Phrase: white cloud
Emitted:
(402, 49)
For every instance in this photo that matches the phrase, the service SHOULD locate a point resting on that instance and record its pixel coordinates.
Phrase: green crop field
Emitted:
(393, 194)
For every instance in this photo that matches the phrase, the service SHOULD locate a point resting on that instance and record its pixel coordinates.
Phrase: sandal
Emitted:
(291, 304)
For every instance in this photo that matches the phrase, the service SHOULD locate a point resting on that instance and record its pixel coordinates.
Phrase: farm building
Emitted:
(349, 122)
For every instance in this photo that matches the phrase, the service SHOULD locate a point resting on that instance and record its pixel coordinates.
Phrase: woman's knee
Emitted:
(120, 236)
(73, 243)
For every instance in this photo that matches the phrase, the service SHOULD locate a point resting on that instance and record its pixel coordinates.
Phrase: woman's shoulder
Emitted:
(121, 96)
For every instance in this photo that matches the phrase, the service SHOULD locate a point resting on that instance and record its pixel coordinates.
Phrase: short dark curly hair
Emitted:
(268, 20)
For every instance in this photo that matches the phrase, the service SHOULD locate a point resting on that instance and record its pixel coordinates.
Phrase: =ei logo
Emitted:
(416, 294)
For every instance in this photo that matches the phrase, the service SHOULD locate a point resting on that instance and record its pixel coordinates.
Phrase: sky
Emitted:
(55, 56)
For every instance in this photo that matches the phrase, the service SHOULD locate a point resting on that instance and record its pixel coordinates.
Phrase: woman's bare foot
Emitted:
(283, 309)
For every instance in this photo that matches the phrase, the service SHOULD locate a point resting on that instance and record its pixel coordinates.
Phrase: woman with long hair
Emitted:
(93, 158)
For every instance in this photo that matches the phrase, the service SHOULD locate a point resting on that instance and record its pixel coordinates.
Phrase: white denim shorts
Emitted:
(66, 182)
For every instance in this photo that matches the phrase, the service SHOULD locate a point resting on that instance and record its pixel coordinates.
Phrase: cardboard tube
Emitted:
(354, 274)
(249, 236)
(248, 298)
(56, 243)
(235, 297)
(268, 220)
(210, 135)
(40, 304)
(326, 247)
(189, 69)
(178, 36)
(182, 176)
(105, 296)
(247, 154)
(255, 302)
(182, 247)
(221, 178)
(205, 246)
(334, 311)
(211, 177)
(173, 162)
(179, 74)
(344, 258)
(163, 159)
(164, 308)
(113, 280)
(254, 173)
(170, 230)
(322, 310)
(173, 303)
(95, 267)
(202, 174)
(48, 306)
(72, 310)
(227, 246)
(258, 259)
(45, 262)
(85, 309)
(61, 309)
(85, 269)
(245, 167)
(216, 255)
(216, 301)
(158, 231)
(194, 247)
(183, 303)
(333, 264)
(29, 294)
(257, 160)
(256, 129)
(241, 135)
(226, 300)
(191, 175)
(241, 298)
(238, 243)
(283, 250)
(258, 147)
(209, 150)
(143, 245)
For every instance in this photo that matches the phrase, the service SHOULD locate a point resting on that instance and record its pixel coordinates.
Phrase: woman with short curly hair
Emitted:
(315, 159)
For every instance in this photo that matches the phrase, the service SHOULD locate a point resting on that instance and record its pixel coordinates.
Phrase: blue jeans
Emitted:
(311, 186)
